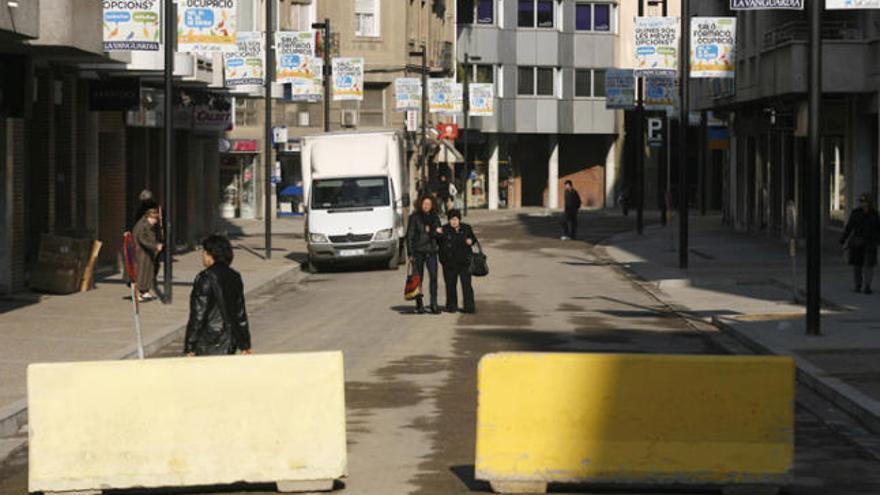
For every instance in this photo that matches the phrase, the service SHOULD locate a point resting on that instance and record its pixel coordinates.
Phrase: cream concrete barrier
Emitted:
(187, 422)
(724, 421)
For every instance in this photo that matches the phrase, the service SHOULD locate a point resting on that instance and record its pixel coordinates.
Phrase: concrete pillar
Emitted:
(611, 164)
(553, 173)
(493, 171)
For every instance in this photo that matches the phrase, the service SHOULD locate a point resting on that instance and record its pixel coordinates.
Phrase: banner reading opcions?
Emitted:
(348, 78)
(132, 26)
(245, 67)
(713, 47)
(205, 26)
(656, 45)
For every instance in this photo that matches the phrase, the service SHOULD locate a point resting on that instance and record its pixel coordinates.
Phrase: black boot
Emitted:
(435, 310)
(868, 290)
(420, 306)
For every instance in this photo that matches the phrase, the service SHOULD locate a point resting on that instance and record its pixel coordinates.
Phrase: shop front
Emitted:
(238, 162)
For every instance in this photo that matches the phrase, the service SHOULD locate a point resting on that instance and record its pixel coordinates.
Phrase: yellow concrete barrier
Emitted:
(187, 422)
(634, 419)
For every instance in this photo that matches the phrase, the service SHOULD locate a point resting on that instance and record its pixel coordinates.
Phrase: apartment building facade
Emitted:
(766, 112)
(384, 33)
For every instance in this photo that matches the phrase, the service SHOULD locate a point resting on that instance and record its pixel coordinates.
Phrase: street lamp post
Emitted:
(167, 216)
(466, 106)
(328, 69)
(684, 56)
(814, 176)
(640, 147)
(423, 53)
(268, 134)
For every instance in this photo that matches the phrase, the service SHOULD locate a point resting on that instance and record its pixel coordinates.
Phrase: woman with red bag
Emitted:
(422, 235)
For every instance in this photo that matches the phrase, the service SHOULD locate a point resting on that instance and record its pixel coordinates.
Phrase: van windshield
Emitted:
(353, 192)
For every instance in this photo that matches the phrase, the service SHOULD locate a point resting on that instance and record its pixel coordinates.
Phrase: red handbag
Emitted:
(413, 286)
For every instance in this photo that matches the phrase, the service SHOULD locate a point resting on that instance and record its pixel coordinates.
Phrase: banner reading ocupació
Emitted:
(244, 67)
(205, 26)
(348, 78)
(132, 26)
(713, 47)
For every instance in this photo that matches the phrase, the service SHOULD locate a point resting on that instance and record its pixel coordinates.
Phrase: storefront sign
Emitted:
(661, 93)
(620, 89)
(205, 26)
(115, 95)
(297, 65)
(482, 99)
(408, 93)
(766, 4)
(713, 47)
(851, 4)
(131, 26)
(244, 67)
(213, 114)
(348, 78)
(656, 45)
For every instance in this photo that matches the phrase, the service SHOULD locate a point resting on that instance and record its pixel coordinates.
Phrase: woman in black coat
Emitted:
(456, 251)
(218, 321)
(421, 237)
(860, 238)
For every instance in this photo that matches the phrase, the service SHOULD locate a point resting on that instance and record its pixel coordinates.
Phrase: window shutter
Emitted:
(365, 6)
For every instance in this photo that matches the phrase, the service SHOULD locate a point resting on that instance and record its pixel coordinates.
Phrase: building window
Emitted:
(525, 85)
(246, 112)
(484, 74)
(589, 83)
(536, 13)
(366, 13)
(593, 17)
(297, 17)
(481, 11)
(536, 81)
(545, 81)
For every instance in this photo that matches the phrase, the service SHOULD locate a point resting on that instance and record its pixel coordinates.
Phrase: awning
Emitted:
(448, 153)
(291, 191)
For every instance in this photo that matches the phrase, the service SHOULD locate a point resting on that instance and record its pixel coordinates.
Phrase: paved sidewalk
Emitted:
(743, 283)
(98, 324)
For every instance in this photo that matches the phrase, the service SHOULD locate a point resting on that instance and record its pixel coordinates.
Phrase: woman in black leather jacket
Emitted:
(218, 322)
(421, 235)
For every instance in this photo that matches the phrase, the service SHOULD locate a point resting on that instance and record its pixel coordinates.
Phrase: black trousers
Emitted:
(451, 275)
(570, 225)
(422, 261)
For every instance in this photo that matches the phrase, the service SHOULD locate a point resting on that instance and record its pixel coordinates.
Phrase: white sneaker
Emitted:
(564, 238)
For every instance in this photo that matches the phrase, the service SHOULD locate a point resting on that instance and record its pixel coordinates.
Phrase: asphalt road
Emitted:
(411, 381)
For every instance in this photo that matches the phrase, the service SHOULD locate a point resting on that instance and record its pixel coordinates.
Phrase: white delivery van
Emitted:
(355, 185)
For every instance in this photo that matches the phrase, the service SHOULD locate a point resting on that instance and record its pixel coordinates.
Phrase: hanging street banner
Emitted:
(656, 46)
(850, 4)
(457, 98)
(205, 26)
(767, 4)
(408, 93)
(661, 94)
(482, 99)
(348, 78)
(245, 67)
(620, 89)
(132, 26)
(440, 96)
(297, 65)
(713, 47)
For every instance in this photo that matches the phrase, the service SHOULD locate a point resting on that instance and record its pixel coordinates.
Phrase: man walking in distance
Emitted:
(572, 205)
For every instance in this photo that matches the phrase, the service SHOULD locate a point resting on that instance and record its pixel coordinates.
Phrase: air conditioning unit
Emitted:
(349, 118)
